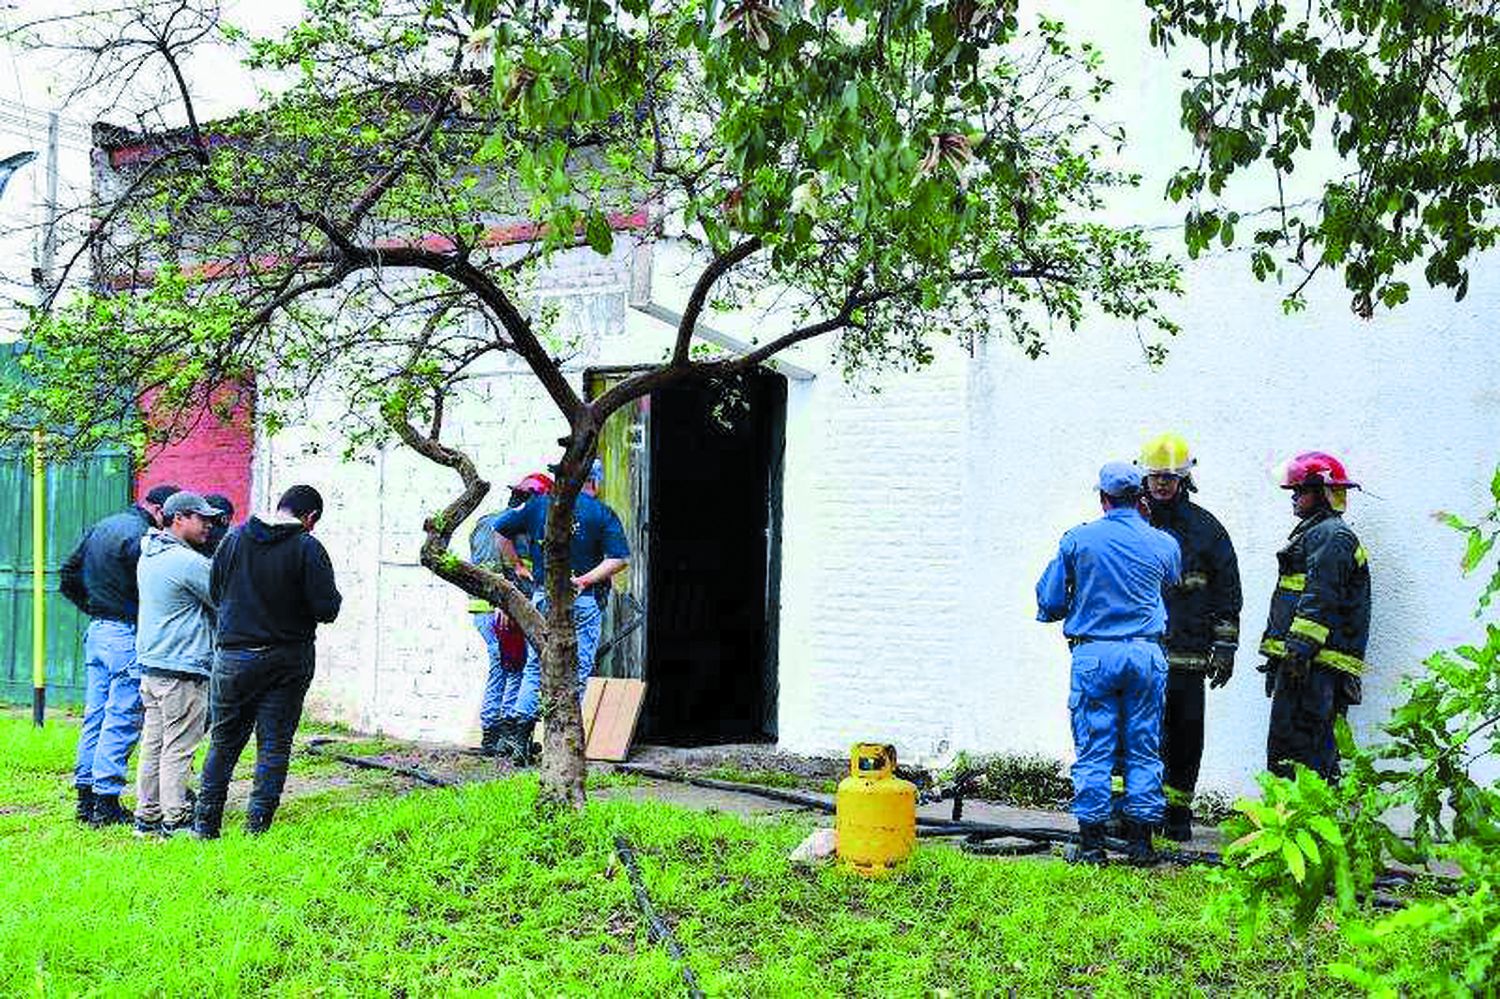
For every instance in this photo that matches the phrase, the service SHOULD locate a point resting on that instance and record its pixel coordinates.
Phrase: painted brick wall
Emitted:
(216, 456)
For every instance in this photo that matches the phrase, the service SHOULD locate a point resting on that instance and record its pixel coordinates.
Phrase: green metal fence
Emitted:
(79, 492)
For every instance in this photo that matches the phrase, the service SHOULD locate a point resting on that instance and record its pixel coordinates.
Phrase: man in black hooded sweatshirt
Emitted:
(272, 583)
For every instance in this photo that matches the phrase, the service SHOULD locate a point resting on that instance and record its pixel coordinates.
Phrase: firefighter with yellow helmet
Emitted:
(1203, 619)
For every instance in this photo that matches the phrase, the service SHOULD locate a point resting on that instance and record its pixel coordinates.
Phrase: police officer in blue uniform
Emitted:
(1105, 585)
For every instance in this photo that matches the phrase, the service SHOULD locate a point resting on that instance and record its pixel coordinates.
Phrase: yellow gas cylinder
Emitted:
(876, 816)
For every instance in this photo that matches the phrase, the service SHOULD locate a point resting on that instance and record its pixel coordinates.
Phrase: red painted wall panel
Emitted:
(214, 457)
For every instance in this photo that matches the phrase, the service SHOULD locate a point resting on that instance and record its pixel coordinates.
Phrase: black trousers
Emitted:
(1301, 728)
(262, 691)
(1182, 735)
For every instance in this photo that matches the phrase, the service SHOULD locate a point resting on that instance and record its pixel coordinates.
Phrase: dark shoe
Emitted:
(107, 812)
(170, 829)
(147, 827)
(1178, 824)
(517, 742)
(85, 810)
(257, 822)
(1090, 846)
(1138, 849)
(206, 824)
(489, 740)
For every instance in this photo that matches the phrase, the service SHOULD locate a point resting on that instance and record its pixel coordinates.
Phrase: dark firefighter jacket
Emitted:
(99, 577)
(1204, 608)
(1321, 607)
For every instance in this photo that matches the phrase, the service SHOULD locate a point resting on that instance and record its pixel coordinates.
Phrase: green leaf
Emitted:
(1308, 847)
(1294, 862)
(597, 231)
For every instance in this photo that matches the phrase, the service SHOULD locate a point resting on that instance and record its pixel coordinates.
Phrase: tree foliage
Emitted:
(1402, 96)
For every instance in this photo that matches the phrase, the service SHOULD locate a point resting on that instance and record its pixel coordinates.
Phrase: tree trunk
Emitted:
(563, 766)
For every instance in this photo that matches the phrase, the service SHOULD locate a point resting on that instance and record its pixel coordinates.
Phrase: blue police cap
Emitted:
(1117, 478)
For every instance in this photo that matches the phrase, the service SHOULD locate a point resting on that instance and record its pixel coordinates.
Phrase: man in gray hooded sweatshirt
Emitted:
(174, 645)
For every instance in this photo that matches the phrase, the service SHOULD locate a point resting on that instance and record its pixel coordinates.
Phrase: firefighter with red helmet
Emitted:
(1203, 619)
(1319, 622)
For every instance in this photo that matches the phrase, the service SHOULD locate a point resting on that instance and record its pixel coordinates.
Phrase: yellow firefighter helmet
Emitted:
(1167, 454)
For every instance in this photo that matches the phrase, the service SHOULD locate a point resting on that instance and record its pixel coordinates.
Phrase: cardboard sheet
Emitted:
(611, 708)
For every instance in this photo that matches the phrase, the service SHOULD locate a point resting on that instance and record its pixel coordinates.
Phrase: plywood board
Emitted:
(611, 708)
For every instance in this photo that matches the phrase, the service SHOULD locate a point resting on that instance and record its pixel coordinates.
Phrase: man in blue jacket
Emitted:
(174, 644)
(99, 578)
(597, 552)
(273, 584)
(1105, 585)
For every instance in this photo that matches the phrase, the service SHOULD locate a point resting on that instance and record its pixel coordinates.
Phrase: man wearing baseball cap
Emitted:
(1105, 585)
(99, 578)
(174, 645)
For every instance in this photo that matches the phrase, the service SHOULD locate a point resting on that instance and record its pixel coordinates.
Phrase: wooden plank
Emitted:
(619, 708)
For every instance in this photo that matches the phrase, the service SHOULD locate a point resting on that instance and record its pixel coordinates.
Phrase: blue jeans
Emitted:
(502, 685)
(262, 690)
(1118, 689)
(588, 621)
(112, 711)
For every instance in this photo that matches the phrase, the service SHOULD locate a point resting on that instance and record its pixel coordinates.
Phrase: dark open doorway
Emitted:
(708, 508)
(715, 553)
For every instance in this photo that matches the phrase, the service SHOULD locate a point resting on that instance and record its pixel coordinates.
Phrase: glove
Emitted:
(1269, 669)
(1220, 665)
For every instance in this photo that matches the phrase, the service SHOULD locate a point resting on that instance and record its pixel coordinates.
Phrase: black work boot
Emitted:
(1178, 824)
(85, 810)
(489, 740)
(107, 812)
(206, 823)
(518, 741)
(1138, 849)
(1090, 846)
(257, 821)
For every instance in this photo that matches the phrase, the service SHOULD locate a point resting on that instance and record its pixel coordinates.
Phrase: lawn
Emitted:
(369, 889)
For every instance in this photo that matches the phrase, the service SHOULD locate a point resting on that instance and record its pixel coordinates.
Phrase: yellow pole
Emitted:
(38, 580)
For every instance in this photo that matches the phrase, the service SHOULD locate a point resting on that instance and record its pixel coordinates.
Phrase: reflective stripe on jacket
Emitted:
(1321, 606)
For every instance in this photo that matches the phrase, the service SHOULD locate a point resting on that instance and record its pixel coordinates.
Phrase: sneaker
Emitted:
(170, 829)
(147, 827)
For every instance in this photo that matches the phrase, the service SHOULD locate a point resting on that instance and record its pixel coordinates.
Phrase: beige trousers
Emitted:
(176, 718)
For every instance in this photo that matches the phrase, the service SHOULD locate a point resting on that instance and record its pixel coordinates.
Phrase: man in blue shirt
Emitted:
(597, 552)
(1105, 585)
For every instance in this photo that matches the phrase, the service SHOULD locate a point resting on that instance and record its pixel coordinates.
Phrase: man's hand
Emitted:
(580, 583)
(1220, 665)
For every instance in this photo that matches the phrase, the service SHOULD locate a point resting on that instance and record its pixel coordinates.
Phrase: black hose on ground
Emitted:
(314, 747)
(773, 793)
(657, 930)
(926, 827)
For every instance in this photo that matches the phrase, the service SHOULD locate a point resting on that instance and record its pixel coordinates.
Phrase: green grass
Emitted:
(466, 890)
(764, 778)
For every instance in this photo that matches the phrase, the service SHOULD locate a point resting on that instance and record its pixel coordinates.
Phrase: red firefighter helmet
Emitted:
(537, 482)
(1315, 468)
